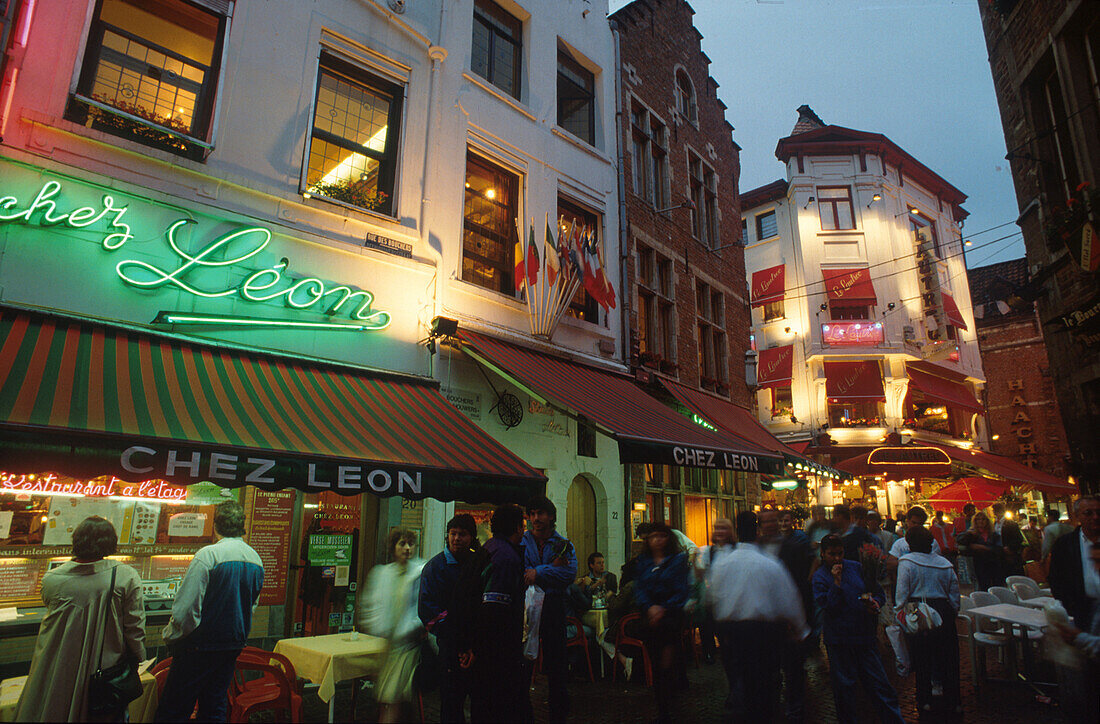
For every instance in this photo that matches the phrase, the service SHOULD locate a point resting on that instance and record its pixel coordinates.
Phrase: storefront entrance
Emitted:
(580, 520)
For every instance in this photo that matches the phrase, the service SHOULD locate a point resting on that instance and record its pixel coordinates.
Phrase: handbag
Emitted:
(110, 690)
(916, 617)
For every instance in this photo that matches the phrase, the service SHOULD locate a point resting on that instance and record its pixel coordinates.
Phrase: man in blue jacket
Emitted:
(551, 564)
(851, 610)
(438, 581)
(211, 618)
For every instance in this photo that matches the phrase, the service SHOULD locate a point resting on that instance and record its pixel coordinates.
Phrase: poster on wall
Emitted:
(66, 513)
(20, 577)
(269, 521)
(330, 550)
(187, 525)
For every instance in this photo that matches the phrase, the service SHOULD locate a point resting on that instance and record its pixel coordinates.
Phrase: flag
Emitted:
(576, 233)
(591, 264)
(607, 296)
(532, 260)
(521, 267)
(553, 263)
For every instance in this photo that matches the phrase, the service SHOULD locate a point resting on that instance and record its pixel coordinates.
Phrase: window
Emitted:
(576, 98)
(583, 305)
(150, 73)
(918, 222)
(586, 438)
(782, 401)
(766, 226)
(855, 414)
(489, 225)
(497, 46)
(1058, 172)
(704, 196)
(774, 310)
(353, 145)
(649, 153)
(744, 230)
(656, 311)
(838, 312)
(710, 312)
(834, 206)
(685, 96)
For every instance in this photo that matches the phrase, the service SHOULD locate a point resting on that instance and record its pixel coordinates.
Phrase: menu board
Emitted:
(269, 523)
(66, 513)
(21, 577)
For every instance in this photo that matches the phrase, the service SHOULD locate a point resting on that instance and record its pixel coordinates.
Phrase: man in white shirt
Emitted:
(1055, 529)
(757, 605)
(721, 544)
(913, 517)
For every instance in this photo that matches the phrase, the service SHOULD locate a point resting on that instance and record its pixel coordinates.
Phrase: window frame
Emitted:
(655, 290)
(686, 104)
(583, 306)
(507, 266)
(774, 311)
(574, 67)
(760, 227)
(484, 12)
(387, 159)
(710, 312)
(833, 204)
(920, 221)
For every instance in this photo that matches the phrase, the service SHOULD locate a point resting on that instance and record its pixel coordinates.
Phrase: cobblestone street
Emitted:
(604, 701)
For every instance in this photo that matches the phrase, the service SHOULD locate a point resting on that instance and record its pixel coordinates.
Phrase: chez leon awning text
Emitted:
(86, 399)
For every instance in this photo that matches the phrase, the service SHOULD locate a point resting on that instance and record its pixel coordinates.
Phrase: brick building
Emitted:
(685, 277)
(1045, 60)
(1021, 409)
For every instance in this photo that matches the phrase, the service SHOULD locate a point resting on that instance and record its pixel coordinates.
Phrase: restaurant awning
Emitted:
(858, 381)
(979, 491)
(850, 286)
(646, 429)
(768, 285)
(999, 466)
(899, 462)
(85, 399)
(737, 421)
(951, 311)
(941, 386)
(775, 365)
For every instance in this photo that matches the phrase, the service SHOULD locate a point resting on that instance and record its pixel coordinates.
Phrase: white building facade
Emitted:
(862, 320)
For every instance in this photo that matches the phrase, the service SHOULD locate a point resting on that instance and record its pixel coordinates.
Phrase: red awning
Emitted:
(850, 286)
(732, 418)
(859, 381)
(768, 285)
(951, 311)
(898, 463)
(775, 366)
(1004, 467)
(647, 430)
(952, 393)
(979, 491)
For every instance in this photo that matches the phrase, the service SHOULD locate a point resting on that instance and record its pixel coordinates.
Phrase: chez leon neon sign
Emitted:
(227, 251)
(105, 487)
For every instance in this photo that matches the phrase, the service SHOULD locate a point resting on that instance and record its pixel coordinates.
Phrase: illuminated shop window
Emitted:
(150, 72)
(353, 144)
(572, 215)
(489, 231)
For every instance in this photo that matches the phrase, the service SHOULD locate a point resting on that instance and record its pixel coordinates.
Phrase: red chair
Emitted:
(578, 639)
(276, 689)
(160, 673)
(622, 639)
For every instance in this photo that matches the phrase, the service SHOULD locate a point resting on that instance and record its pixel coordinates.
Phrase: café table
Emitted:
(328, 660)
(597, 619)
(142, 709)
(1020, 620)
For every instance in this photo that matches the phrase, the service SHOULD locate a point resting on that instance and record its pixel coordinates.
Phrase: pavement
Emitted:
(602, 701)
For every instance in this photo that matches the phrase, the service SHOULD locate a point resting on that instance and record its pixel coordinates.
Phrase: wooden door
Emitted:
(580, 521)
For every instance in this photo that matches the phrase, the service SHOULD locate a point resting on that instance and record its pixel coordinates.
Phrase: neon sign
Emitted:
(858, 333)
(104, 487)
(700, 421)
(227, 251)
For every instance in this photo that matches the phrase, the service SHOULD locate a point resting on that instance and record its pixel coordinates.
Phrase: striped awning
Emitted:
(85, 399)
(646, 429)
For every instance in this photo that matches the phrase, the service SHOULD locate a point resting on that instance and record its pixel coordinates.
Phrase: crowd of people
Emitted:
(764, 595)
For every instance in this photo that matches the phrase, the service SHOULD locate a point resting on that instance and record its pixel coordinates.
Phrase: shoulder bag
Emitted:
(110, 690)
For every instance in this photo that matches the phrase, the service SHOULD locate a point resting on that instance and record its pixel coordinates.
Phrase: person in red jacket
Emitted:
(944, 533)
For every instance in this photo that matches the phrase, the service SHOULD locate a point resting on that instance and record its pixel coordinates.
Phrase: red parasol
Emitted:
(979, 491)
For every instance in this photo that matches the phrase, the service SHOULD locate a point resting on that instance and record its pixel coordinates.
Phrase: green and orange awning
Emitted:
(85, 399)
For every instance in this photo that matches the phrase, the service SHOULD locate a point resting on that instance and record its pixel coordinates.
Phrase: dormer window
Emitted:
(685, 96)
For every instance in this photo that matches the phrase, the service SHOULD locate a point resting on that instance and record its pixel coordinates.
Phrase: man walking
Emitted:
(1073, 579)
(850, 526)
(211, 618)
(757, 608)
(851, 612)
(438, 582)
(550, 563)
(721, 543)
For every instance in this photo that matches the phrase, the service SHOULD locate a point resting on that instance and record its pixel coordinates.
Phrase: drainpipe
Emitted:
(624, 247)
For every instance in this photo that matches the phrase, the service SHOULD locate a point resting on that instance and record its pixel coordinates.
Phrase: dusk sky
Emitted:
(914, 70)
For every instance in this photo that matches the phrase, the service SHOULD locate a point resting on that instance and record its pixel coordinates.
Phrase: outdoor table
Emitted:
(597, 619)
(328, 660)
(1022, 618)
(142, 709)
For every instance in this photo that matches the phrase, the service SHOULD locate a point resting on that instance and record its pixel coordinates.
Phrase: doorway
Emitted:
(580, 520)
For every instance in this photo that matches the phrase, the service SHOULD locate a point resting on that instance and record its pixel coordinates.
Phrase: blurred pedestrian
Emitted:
(983, 546)
(630, 568)
(94, 619)
(1073, 580)
(874, 527)
(491, 640)
(1079, 694)
(661, 589)
(961, 523)
(438, 583)
(1033, 538)
(211, 618)
(851, 614)
(757, 608)
(1055, 529)
(998, 517)
(1013, 544)
(551, 564)
(848, 527)
(819, 526)
(787, 527)
(944, 535)
(924, 577)
(915, 516)
(721, 542)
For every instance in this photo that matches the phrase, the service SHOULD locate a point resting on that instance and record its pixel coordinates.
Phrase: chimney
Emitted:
(807, 120)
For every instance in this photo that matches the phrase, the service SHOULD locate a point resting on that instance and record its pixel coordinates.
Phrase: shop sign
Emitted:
(696, 457)
(388, 245)
(465, 401)
(229, 252)
(104, 487)
(329, 550)
(857, 333)
(909, 455)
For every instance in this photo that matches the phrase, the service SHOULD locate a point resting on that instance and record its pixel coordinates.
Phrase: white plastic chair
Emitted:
(982, 634)
(1026, 588)
(984, 598)
(1004, 595)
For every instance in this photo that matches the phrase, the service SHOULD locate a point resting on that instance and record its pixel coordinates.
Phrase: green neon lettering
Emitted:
(249, 285)
(258, 322)
(304, 284)
(114, 241)
(83, 216)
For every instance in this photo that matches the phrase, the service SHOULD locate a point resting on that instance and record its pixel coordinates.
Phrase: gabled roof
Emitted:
(997, 290)
(837, 140)
(763, 194)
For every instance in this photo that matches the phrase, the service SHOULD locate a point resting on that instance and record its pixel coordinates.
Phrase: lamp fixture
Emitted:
(823, 306)
(787, 330)
(808, 202)
(876, 197)
(689, 204)
(891, 306)
(912, 210)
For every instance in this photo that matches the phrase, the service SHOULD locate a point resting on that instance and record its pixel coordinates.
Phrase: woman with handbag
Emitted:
(927, 602)
(93, 636)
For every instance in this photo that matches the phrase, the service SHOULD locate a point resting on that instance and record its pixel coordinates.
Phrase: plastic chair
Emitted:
(160, 673)
(981, 634)
(275, 689)
(622, 639)
(984, 598)
(578, 639)
(1004, 595)
(1026, 588)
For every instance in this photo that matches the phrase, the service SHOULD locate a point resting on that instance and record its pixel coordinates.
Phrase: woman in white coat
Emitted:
(86, 622)
(389, 610)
